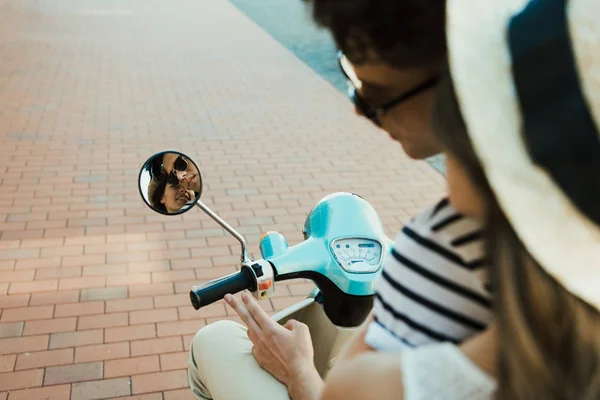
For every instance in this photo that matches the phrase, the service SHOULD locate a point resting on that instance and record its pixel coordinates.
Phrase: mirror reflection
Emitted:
(170, 183)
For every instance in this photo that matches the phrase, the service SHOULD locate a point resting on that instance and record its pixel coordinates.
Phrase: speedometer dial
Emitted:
(357, 255)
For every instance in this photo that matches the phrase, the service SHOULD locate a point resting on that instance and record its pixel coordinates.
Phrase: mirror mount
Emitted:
(244, 256)
(170, 183)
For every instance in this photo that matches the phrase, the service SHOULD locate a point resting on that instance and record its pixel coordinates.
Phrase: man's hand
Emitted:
(286, 352)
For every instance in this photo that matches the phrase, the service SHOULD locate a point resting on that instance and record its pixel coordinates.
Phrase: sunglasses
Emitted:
(180, 164)
(374, 113)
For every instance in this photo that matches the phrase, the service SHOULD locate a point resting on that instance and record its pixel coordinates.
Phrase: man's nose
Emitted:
(181, 174)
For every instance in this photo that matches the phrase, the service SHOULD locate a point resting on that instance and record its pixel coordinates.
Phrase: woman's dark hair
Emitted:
(154, 166)
(549, 341)
(156, 195)
(403, 33)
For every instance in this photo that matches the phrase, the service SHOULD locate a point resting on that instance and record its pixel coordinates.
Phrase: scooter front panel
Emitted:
(357, 255)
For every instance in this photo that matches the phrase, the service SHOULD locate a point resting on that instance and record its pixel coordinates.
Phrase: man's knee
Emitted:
(205, 350)
(217, 332)
(210, 339)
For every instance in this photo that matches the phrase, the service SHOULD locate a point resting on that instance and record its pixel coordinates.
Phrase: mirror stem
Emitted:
(228, 228)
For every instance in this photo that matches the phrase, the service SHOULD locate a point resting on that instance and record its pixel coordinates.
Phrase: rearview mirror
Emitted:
(170, 183)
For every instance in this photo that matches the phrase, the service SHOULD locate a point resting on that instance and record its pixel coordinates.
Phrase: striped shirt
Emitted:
(433, 286)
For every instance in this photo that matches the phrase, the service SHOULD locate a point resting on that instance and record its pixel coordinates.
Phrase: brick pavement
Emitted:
(93, 285)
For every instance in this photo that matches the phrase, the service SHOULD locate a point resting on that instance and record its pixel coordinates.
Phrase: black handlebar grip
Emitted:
(205, 295)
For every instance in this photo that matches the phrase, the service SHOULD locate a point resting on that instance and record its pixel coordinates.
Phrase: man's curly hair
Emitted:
(402, 33)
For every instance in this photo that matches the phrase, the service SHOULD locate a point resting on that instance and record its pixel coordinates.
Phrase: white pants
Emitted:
(222, 367)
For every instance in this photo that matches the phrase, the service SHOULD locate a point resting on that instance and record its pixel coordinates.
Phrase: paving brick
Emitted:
(161, 315)
(206, 274)
(102, 352)
(179, 328)
(59, 392)
(147, 246)
(23, 344)
(110, 293)
(174, 361)
(156, 346)
(11, 329)
(87, 259)
(33, 263)
(212, 251)
(50, 326)
(129, 279)
(73, 373)
(173, 276)
(82, 283)
(7, 265)
(172, 300)
(60, 297)
(126, 238)
(85, 240)
(159, 381)
(159, 255)
(104, 269)
(7, 363)
(148, 266)
(51, 273)
(27, 313)
(31, 287)
(74, 339)
(152, 396)
(136, 332)
(21, 379)
(16, 276)
(63, 232)
(97, 390)
(62, 251)
(42, 359)
(141, 303)
(181, 394)
(102, 321)
(151, 290)
(78, 309)
(131, 366)
(205, 263)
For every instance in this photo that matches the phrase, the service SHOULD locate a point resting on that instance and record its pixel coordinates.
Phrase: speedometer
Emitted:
(357, 255)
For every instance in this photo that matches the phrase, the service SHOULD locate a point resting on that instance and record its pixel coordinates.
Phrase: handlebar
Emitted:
(201, 296)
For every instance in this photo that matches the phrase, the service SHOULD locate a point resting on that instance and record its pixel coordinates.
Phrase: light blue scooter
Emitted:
(342, 254)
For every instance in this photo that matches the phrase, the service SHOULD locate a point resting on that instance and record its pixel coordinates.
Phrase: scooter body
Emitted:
(342, 252)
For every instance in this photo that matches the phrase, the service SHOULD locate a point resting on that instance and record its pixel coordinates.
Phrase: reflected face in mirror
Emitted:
(175, 197)
(178, 165)
(170, 183)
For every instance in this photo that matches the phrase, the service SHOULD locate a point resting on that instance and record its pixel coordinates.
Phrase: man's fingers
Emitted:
(243, 312)
(295, 326)
(256, 311)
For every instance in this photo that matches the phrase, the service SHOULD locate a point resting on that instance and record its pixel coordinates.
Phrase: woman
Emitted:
(167, 197)
(525, 78)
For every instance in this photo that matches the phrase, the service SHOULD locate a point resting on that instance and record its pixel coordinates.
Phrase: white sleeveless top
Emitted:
(442, 372)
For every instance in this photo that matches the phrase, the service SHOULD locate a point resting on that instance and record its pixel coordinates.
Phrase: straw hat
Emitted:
(527, 76)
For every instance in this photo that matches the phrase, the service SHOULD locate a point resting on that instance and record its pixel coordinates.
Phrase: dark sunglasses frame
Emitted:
(180, 164)
(373, 113)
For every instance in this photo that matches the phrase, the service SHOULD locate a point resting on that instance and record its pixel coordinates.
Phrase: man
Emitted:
(177, 165)
(394, 52)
